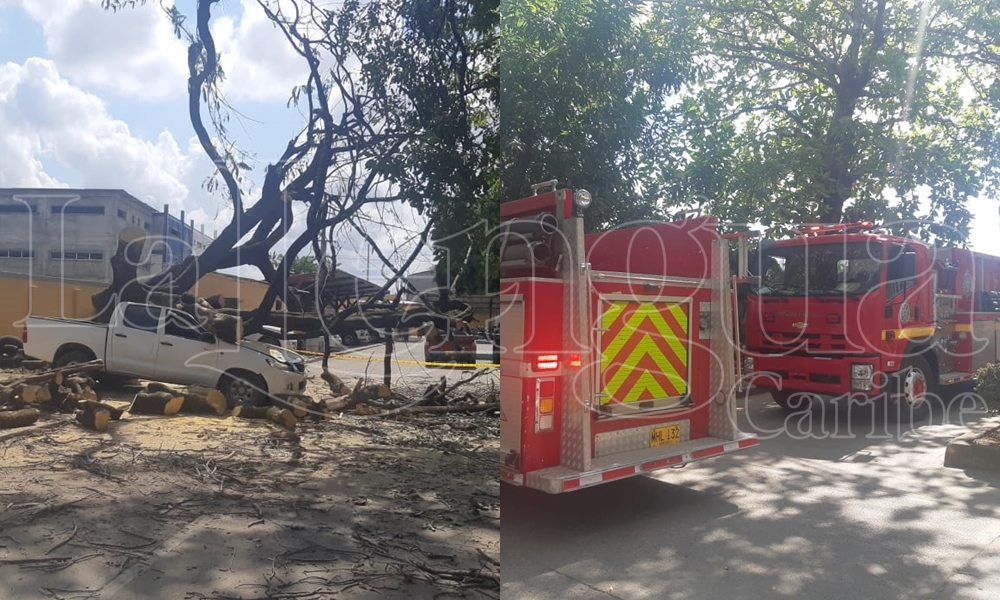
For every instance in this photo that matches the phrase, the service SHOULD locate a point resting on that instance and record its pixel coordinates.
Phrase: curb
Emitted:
(963, 453)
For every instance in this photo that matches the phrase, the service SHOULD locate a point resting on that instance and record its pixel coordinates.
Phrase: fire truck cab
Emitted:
(617, 357)
(845, 310)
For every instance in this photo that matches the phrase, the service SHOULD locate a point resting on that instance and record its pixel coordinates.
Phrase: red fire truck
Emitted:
(845, 310)
(616, 358)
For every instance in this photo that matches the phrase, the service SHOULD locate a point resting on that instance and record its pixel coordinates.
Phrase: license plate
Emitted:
(662, 436)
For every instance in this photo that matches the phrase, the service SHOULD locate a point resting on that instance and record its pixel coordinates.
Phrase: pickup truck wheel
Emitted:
(10, 346)
(72, 357)
(244, 389)
(349, 339)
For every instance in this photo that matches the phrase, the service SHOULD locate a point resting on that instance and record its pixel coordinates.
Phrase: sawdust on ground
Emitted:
(352, 506)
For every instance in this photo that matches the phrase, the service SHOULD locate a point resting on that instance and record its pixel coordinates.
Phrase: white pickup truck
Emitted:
(153, 342)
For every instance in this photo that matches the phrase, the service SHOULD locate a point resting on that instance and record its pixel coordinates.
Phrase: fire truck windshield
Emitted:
(816, 269)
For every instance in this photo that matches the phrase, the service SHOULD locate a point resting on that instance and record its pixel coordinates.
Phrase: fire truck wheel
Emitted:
(915, 389)
(789, 400)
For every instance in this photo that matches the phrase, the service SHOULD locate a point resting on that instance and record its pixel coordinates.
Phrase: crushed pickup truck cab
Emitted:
(153, 342)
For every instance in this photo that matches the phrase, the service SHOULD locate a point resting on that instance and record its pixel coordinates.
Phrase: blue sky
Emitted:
(91, 98)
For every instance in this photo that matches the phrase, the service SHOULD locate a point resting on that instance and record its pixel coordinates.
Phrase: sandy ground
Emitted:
(205, 507)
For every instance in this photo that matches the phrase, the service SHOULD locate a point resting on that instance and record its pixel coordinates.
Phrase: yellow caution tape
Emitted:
(403, 361)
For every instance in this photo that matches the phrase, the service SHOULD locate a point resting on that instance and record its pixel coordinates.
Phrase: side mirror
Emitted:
(208, 337)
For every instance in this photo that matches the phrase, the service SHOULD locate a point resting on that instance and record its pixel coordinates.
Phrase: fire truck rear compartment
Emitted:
(626, 338)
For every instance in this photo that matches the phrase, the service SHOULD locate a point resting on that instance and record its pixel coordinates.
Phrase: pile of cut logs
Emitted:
(72, 390)
(66, 389)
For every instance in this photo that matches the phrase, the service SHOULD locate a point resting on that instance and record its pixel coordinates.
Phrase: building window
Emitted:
(122, 215)
(17, 208)
(77, 255)
(73, 209)
(145, 225)
(174, 231)
(17, 254)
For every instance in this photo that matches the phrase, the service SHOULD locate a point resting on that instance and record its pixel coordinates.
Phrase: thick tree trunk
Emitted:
(124, 285)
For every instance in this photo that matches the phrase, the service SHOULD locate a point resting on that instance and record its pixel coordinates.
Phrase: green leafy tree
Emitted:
(393, 111)
(305, 263)
(828, 109)
(583, 83)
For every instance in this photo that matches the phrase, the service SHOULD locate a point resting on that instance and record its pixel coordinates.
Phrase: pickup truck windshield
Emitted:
(818, 269)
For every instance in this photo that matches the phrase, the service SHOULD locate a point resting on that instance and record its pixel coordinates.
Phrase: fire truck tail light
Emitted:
(545, 404)
(574, 361)
(547, 362)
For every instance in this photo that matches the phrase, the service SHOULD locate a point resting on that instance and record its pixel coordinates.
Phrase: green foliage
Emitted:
(830, 109)
(988, 386)
(431, 65)
(583, 86)
(305, 263)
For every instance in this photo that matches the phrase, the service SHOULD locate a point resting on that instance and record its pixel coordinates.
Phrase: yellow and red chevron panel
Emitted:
(644, 350)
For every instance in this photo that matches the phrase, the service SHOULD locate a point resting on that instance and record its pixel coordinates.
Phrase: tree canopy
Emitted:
(830, 109)
(582, 83)
(760, 111)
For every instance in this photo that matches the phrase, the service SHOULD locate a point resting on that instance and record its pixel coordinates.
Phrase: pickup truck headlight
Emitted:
(280, 364)
(862, 378)
(284, 360)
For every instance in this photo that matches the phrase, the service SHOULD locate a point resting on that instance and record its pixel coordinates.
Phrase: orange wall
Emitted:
(43, 297)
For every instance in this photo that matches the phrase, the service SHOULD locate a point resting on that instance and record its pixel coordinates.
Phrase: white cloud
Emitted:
(132, 52)
(259, 63)
(45, 119)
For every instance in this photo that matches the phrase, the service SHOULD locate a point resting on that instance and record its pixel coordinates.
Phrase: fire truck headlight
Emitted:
(748, 364)
(862, 378)
(582, 198)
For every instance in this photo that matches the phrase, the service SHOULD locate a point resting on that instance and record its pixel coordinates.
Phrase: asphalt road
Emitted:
(861, 512)
(368, 361)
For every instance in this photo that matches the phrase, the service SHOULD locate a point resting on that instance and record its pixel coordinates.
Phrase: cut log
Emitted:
(114, 412)
(299, 406)
(6, 395)
(337, 385)
(159, 403)
(212, 403)
(93, 416)
(18, 418)
(338, 404)
(70, 401)
(281, 416)
(33, 394)
(155, 386)
(370, 392)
